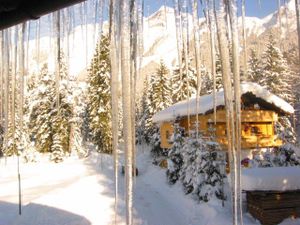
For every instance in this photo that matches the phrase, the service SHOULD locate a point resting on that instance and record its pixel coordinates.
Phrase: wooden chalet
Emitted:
(259, 114)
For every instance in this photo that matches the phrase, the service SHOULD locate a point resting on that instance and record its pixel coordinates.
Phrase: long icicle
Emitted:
(6, 56)
(178, 35)
(212, 29)
(185, 30)
(197, 57)
(298, 25)
(237, 100)
(114, 56)
(224, 54)
(244, 37)
(1, 87)
(57, 55)
(280, 22)
(126, 96)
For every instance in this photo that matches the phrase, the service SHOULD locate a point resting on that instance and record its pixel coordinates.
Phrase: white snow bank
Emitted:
(271, 178)
(206, 103)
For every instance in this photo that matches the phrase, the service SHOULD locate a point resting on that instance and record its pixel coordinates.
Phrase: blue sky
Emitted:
(252, 6)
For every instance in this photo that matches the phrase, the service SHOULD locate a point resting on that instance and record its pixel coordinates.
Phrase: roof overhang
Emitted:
(13, 12)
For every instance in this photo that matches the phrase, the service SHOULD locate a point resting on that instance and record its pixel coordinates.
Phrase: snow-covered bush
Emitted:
(278, 157)
(285, 130)
(175, 155)
(201, 174)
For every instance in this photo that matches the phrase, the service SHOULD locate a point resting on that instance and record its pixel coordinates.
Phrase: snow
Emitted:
(206, 103)
(80, 191)
(271, 179)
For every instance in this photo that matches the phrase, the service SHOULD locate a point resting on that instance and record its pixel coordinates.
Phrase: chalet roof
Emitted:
(251, 93)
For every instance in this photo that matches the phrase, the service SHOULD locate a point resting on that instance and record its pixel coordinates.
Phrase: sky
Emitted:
(252, 6)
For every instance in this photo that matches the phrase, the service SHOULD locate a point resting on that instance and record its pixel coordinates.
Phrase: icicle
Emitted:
(259, 4)
(211, 21)
(178, 35)
(37, 42)
(56, 21)
(134, 71)
(298, 25)
(244, 36)
(5, 63)
(165, 14)
(126, 94)
(286, 11)
(1, 84)
(197, 57)
(114, 56)
(86, 32)
(21, 70)
(224, 54)
(280, 23)
(28, 45)
(237, 100)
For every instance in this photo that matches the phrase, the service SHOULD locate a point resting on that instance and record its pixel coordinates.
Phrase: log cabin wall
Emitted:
(258, 128)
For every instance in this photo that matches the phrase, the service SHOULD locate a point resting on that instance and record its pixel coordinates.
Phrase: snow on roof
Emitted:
(271, 179)
(205, 103)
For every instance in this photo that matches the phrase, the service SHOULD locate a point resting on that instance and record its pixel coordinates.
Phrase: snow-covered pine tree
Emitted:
(61, 116)
(208, 78)
(209, 176)
(285, 130)
(40, 105)
(182, 88)
(255, 72)
(200, 172)
(99, 100)
(175, 160)
(283, 156)
(161, 88)
(276, 73)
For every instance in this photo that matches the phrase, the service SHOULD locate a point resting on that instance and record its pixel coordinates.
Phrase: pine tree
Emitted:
(200, 173)
(276, 72)
(99, 101)
(161, 89)
(184, 84)
(175, 160)
(48, 124)
(40, 108)
(255, 72)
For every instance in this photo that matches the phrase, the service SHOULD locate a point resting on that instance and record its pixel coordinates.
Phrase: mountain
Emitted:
(160, 40)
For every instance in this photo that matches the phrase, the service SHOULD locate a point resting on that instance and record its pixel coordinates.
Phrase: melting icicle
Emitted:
(237, 95)
(178, 35)
(197, 57)
(298, 25)
(114, 56)
(165, 14)
(224, 54)
(1, 86)
(37, 42)
(56, 21)
(211, 24)
(126, 94)
(6, 56)
(244, 36)
(185, 37)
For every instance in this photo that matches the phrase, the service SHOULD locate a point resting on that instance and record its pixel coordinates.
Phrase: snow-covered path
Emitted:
(81, 192)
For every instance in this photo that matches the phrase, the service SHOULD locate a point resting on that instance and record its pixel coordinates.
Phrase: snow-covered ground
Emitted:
(81, 192)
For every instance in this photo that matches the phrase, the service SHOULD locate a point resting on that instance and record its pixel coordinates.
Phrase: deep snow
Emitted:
(80, 192)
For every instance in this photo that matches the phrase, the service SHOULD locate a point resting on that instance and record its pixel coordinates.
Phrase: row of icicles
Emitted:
(126, 20)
